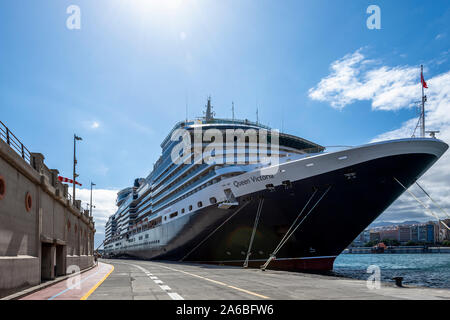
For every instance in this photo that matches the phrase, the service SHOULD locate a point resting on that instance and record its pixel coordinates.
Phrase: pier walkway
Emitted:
(77, 287)
(138, 280)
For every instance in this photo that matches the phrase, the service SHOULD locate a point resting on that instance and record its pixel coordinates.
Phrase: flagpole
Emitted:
(75, 138)
(74, 164)
(423, 101)
(92, 184)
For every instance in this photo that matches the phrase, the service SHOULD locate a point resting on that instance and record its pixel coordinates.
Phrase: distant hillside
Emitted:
(388, 223)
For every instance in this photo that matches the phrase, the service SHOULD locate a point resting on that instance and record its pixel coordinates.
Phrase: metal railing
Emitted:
(10, 139)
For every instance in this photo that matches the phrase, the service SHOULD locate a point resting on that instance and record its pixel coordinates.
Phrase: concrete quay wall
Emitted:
(42, 234)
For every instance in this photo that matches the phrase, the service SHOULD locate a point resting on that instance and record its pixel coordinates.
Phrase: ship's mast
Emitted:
(424, 98)
(209, 114)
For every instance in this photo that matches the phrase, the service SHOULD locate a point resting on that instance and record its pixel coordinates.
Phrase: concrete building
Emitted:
(366, 236)
(444, 233)
(404, 234)
(42, 234)
(422, 233)
(430, 232)
(414, 233)
(362, 238)
(389, 234)
(375, 236)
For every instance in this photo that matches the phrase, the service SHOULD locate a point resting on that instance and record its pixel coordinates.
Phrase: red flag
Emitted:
(424, 84)
(62, 179)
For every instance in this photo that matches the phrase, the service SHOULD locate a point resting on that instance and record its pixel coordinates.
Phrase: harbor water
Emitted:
(427, 270)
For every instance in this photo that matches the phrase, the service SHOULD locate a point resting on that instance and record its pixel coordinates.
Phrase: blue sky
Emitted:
(122, 81)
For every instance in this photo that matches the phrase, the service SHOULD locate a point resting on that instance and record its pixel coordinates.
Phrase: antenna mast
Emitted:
(209, 115)
(232, 109)
(186, 108)
(257, 116)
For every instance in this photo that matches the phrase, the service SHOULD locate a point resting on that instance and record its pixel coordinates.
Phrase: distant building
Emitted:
(374, 236)
(430, 232)
(444, 233)
(422, 233)
(366, 236)
(414, 233)
(362, 238)
(389, 234)
(404, 233)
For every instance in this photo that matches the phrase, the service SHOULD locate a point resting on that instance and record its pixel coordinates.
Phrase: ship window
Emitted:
(182, 210)
(199, 204)
(173, 215)
(213, 200)
(190, 208)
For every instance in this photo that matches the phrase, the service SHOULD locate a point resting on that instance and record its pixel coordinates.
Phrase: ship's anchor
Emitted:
(289, 233)
(258, 214)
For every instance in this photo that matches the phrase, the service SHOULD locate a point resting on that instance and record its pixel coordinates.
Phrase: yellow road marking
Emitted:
(97, 285)
(220, 283)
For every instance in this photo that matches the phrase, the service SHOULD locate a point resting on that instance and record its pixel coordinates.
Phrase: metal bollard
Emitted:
(398, 281)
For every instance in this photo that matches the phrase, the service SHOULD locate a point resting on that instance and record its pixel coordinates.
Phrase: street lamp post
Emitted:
(75, 138)
(92, 184)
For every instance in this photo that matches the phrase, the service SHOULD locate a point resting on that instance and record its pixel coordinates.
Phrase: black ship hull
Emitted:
(356, 196)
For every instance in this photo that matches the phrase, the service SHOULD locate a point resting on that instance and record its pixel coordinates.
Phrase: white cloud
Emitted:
(436, 180)
(440, 36)
(104, 201)
(91, 124)
(355, 78)
(95, 125)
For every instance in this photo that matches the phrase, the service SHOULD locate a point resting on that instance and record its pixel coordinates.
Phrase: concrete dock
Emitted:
(150, 280)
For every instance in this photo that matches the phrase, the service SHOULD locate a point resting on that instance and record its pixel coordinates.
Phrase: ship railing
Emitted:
(337, 148)
(237, 121)
(15, 144)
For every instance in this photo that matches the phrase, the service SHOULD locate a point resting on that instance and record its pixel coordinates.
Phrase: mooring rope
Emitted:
(432, 200)
(288, 235)
(423, 204)
(255, 225)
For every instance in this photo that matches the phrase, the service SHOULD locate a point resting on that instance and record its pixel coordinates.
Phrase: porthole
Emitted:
(2, 187)
(213, 200)
(28, 201)
(199, 204)
(190, 208)
(182, 210)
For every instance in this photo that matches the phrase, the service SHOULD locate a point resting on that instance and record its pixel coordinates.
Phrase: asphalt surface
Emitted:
(151, 280)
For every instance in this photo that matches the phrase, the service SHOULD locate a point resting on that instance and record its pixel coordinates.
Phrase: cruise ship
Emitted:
(281, 203)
